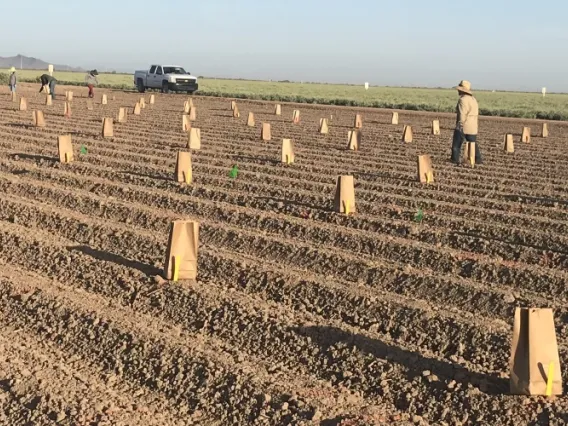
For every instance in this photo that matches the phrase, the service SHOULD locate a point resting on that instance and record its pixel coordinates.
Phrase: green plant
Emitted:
(419, 216)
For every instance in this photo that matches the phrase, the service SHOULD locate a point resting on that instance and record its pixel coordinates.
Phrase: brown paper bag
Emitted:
(67, 109)
(265, 133)
(323, 127)
(358, 121)
(108, 128)
(137, 109)
(250, 120)
(187, 105)
(278, 109)
(509, 144)
(296, 116)
(470, 153)
(65, 149)
(526, 136)
(436, 127)
(345, 195)
(394, 119)
(185, 123)
(534, 349)
(544, 130)
(407, 134)
(192, 113)
(39, 120)
(353, 138)
(182, 248)
(288, 156)
(183, 167)
(122, 115)
(236, 113)
(23, 104)
(425, 171)
(194, 138)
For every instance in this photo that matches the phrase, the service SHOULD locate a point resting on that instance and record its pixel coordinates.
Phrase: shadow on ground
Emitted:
(115, 258)
(414, 363)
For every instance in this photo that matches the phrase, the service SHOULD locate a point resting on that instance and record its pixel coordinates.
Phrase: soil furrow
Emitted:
(398, 279)
(328, 350)
(398, 314)
(153, 355)
(488, 198)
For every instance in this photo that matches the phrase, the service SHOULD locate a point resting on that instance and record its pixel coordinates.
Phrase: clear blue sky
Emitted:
(496, 44)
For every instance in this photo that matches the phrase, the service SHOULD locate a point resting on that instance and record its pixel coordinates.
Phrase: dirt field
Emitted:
(299, 315)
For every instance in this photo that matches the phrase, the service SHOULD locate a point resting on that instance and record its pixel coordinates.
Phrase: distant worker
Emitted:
(47, 80)
(467, 112)
(13, 80)
(92, 81)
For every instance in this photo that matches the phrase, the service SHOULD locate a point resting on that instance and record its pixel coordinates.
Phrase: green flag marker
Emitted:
(83, 150)
(419, 216)
(234, 172)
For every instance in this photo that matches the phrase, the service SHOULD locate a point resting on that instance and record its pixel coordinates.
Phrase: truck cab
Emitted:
(165, 78)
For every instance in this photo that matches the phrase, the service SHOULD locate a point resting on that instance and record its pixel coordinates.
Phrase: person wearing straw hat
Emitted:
(13, 80)
(467, 112)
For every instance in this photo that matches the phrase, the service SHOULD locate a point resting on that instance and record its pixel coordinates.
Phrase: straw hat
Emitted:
(12, 69)
(464, 86)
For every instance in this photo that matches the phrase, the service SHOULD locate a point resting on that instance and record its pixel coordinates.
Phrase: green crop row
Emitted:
(504, 104)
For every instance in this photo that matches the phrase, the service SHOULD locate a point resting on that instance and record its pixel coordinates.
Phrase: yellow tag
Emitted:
(176, 268)
(288, 159)
(67, 156)
(550, 379)
(429, 177)
(346, 204)
(187, 177)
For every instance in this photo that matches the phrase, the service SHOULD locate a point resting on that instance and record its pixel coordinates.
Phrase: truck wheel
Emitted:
(165, 87)
(140, 86)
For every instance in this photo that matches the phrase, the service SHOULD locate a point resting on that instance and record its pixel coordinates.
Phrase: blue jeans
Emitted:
(12, 88)
(52, 88)
(457, 146)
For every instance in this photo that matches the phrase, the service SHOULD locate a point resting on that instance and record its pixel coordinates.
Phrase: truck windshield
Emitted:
(174, 70)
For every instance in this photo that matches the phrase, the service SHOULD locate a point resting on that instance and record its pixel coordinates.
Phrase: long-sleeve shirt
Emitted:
(467, 112)
(91, 79)
(13, 79)
(46, 79)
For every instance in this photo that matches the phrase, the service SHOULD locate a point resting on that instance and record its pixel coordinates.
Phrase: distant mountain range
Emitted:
(28, 63)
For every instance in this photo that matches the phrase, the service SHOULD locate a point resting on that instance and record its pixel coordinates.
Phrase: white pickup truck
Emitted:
(166, 78)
